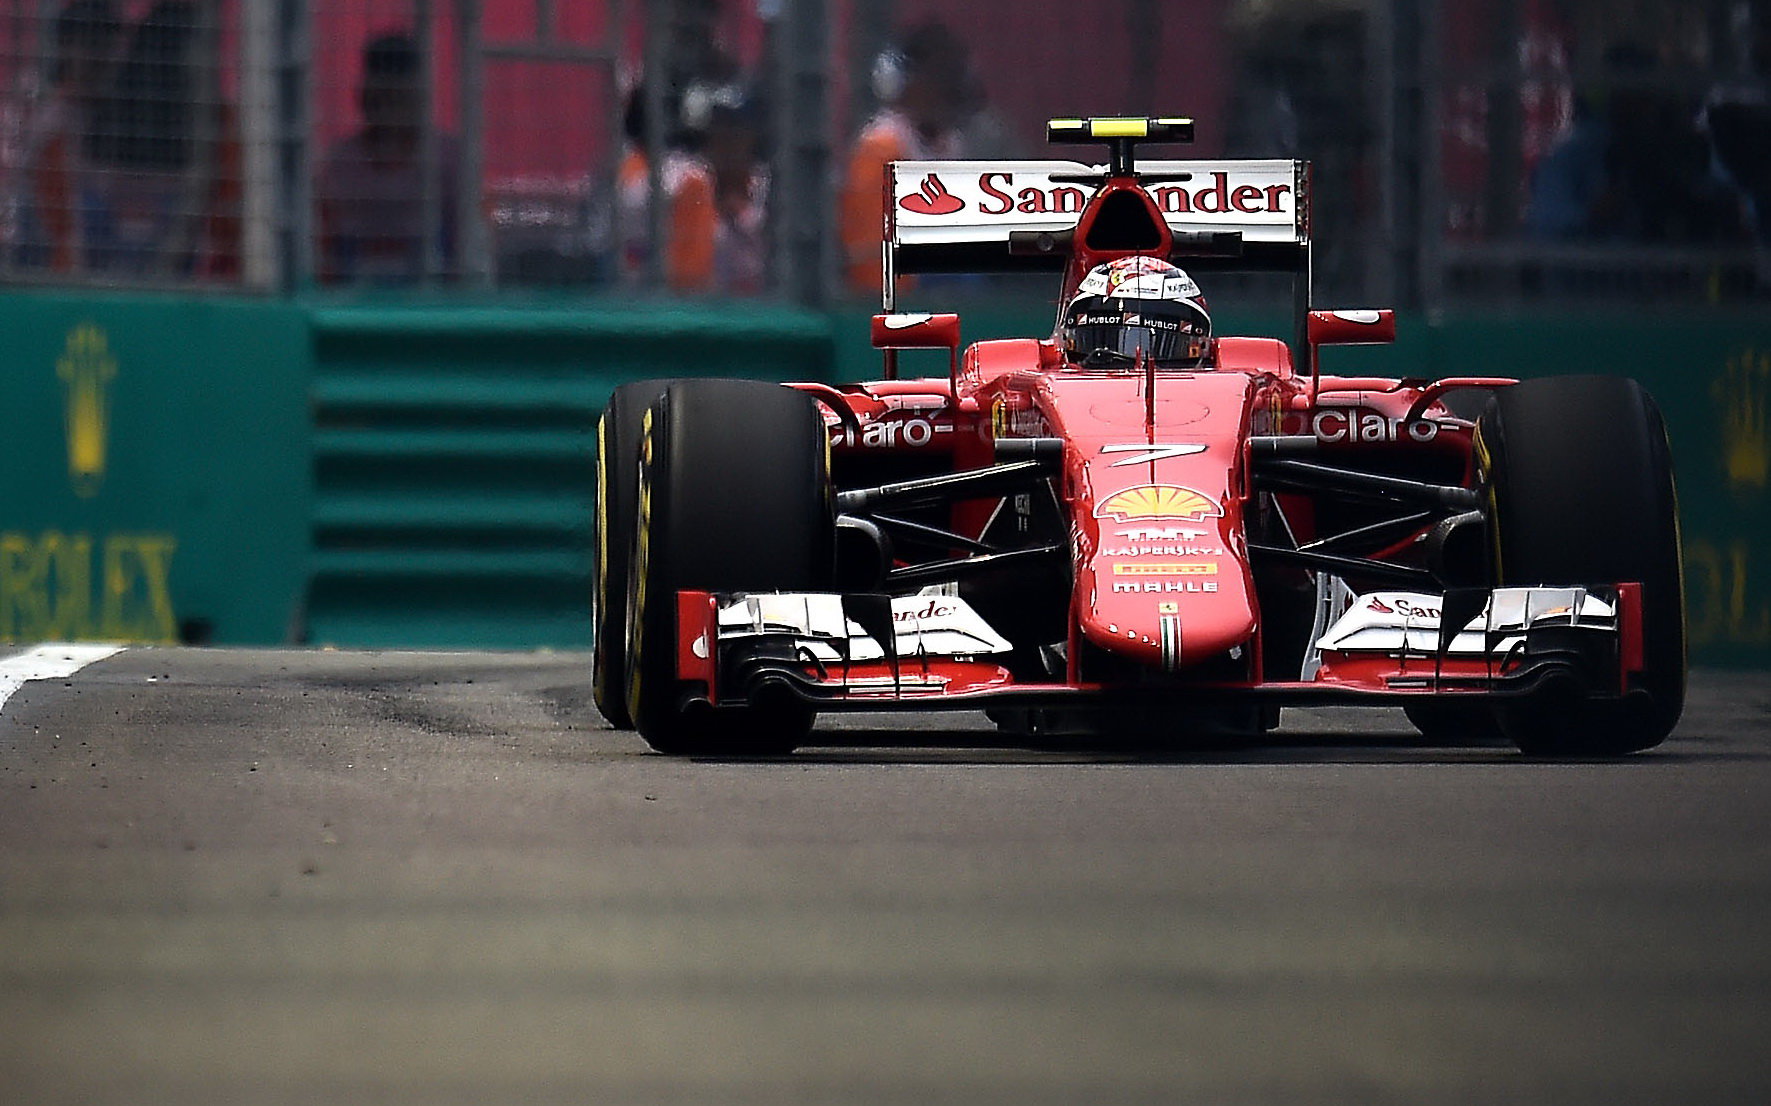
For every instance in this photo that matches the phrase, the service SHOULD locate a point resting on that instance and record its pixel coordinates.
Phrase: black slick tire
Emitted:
(734, 495)
(617, 490)
(1580, 479)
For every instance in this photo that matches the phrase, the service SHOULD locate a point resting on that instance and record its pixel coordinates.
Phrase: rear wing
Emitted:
(990, 216)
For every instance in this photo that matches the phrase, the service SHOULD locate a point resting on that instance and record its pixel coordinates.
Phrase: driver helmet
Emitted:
(1133, 306)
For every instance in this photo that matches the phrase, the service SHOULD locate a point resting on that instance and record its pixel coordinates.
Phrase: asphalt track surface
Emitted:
(326, 877)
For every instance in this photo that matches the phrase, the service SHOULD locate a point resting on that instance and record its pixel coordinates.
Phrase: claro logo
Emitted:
(1336, 425)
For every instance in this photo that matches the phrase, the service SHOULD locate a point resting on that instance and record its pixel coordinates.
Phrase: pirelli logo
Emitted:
(1166, 568)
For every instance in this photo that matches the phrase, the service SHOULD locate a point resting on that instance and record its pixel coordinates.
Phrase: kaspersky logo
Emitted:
(86, 369)
(1743, 392)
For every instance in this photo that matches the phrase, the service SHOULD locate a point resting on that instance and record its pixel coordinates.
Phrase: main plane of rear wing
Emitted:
(973, 216)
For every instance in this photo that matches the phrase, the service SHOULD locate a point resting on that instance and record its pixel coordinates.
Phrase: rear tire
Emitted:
(1580, 480)
(733, 495)
(617, 490)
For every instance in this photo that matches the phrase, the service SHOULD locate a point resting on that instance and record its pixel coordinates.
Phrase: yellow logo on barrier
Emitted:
(86, 369)
(1743, 391)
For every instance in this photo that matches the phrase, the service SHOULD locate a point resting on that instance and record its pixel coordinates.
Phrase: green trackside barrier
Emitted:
(1711, 374)
(250, 472)
(454, 455)
(157, 484)
(1710, 370)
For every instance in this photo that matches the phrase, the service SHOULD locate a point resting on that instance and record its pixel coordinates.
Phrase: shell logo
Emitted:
(1158, 501)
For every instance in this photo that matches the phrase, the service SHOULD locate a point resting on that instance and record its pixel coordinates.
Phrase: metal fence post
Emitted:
(1414, 212)
(473, 242)
(658, 17)
(807, 262)
(429, 149)
(1430, 222)
(1384, 101)
(260, 193)
(295, 137)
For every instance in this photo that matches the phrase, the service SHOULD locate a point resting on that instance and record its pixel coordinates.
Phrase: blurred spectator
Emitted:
(169, 192)
(1632, 166)
(983, 131)
(60, 188)
(1660, 165)
(694, 53)
(1570, 186)
(740, 188)
(1297, 93)
(373, 186)
(715, 191)
(927, 95)
(686, 184)
(1736, 120)
(1262, 121)
(712, 185)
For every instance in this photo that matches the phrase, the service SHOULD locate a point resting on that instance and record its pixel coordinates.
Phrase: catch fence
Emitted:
(1466, 154)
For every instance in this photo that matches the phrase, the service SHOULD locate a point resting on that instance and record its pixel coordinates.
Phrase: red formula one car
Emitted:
(1134, 531)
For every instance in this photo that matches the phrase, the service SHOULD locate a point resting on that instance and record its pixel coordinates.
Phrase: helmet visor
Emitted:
(1152, 328)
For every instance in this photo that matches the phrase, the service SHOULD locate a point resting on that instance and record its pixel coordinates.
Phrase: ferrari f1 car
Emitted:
(1134, 531)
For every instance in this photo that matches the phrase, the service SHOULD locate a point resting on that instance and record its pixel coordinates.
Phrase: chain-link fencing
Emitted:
(1479, 152)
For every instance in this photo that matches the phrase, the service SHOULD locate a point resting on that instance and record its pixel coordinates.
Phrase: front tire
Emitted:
(734, 495)
(1580, 479)
(617, 490)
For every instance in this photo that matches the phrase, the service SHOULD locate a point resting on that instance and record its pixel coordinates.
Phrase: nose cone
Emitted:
(1161, 572)
(1165, 599)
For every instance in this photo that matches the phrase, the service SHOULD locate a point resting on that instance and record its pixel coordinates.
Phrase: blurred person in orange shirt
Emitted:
(685, 182)
(715, 192)
(700, 80)
(927, 95)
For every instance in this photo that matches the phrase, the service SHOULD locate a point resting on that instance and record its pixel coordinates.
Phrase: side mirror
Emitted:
(916, 330)
(1352, 328)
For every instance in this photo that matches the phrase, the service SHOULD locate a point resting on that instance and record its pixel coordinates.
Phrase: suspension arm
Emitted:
(1308, 477)
(972, 484)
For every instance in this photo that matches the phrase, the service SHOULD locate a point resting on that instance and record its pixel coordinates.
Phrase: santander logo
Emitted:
(932, 199)
(1001, 195)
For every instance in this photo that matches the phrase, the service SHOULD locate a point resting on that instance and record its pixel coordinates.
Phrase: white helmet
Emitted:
(1137, 306)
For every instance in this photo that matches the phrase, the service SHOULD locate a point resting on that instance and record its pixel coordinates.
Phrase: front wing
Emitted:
(932, 651)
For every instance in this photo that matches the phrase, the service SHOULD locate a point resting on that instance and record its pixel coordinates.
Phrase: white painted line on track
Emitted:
(57, 660)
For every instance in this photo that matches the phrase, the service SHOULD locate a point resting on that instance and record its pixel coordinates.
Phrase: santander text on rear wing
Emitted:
(973, 216)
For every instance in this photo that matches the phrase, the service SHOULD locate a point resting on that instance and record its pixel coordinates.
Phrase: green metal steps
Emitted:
(348, 517)
(447, 441)
(454, 449)
(452, 564)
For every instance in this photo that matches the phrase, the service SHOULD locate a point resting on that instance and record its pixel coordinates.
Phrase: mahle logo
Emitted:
(86, 369)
